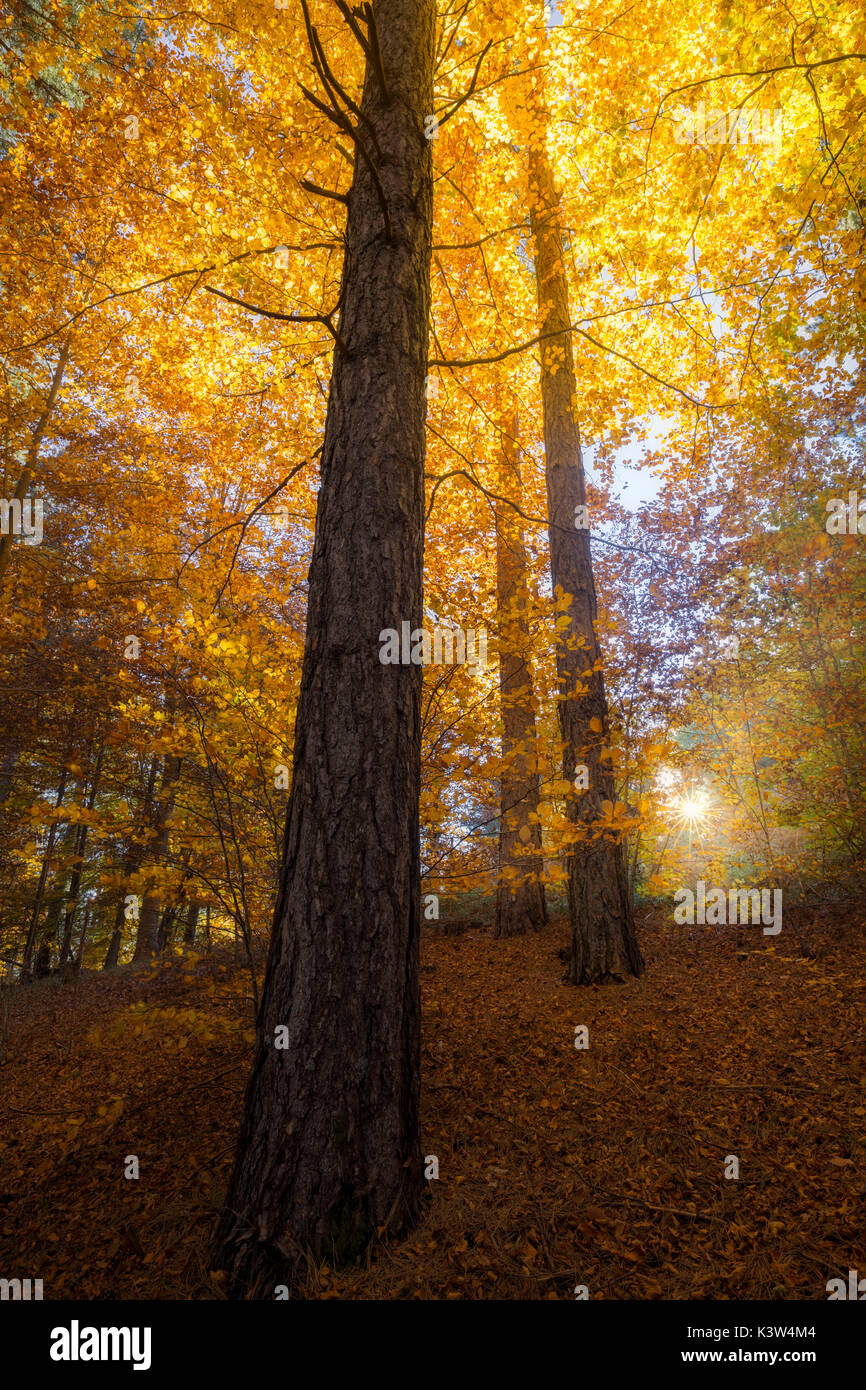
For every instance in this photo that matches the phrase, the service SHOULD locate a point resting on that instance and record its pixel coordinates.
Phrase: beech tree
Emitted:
(178, 276)
(520, 900)
(603, 942)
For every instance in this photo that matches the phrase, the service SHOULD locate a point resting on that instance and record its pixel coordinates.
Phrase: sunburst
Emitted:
(693, 813)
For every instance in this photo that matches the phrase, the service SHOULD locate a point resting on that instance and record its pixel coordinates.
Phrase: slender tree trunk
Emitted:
(329, 1150)
(78, 867)
(7, 771)
(112, 955)
(131, 865)
(604, 944)
(147, 936)
(55, 900)
(520, 901)
(6, 541)
(82, 940)
(72, 894)
(166, 928)
(191, 923)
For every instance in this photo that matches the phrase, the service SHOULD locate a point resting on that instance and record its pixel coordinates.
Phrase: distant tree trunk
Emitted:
(520, 901)
(40, 888)
(147, 937)
(147, 934)
(7, 770)
(329, 1150)
(165, 930)
(131, 864)
(32, 459)
(112, 955)
(82, 940)
(170, 915)
(604, 944)
(42, 967)
(72, 892)
(51, 926)
(191, 923)
(78, 867)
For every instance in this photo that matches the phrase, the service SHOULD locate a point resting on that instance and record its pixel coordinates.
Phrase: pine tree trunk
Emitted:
(520, 901)
(329, 1150)
(604, 944)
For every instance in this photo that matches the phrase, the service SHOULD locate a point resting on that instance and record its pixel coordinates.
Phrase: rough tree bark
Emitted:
(604, 944)
(329, 1149)
(520, 901)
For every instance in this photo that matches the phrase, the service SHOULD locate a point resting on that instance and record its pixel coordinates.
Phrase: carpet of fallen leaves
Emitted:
(557, 1167)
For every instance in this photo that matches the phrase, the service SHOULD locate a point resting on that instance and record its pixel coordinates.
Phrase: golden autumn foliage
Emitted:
(174, 188)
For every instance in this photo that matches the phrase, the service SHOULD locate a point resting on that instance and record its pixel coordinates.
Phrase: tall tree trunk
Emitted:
(329, 1149)
(147, 936)
(604, 944)
(520, 901)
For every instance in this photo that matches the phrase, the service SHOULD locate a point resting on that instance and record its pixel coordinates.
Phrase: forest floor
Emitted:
(557, 1167)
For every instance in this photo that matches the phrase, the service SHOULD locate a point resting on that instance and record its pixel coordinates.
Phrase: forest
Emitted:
(432, 636)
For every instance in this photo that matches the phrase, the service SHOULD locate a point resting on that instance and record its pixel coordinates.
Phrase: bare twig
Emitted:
(324, 319)
(468, 93)
(324, 192)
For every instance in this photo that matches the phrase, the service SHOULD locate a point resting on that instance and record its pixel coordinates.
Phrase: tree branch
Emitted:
(324, 319)
(471, 88)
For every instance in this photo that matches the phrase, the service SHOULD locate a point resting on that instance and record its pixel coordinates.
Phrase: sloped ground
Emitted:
(557, 1167)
